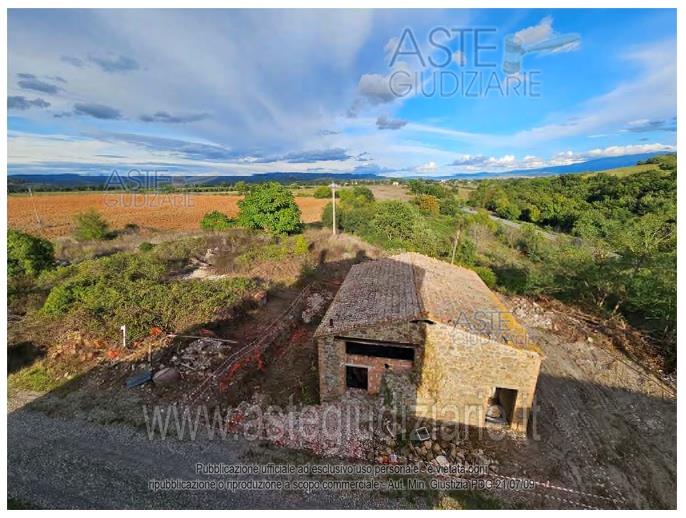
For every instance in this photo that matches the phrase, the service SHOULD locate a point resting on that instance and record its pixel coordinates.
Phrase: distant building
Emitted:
(434, 336)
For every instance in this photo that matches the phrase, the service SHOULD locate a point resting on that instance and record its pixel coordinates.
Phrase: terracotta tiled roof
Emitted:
(373, 292)
(412, 286)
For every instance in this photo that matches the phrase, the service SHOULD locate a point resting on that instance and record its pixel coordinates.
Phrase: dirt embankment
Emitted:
(604, 425)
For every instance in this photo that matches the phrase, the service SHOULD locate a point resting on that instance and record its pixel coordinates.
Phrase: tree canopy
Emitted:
(271, 207)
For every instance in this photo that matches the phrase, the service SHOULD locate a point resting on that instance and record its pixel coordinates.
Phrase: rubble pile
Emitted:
(200, 355)
(441, 452)
(353, 427)
(340, 428)
(532, 314)
(314, 304)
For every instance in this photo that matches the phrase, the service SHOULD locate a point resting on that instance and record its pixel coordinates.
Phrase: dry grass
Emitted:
(391, 192)
(179, 212)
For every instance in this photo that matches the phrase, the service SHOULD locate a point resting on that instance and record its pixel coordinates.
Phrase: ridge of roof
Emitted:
(411, 286)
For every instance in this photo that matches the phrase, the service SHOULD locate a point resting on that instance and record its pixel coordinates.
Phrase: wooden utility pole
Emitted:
(35, 211)
(333, 203)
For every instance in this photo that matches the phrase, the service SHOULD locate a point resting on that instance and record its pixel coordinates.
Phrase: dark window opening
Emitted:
(380, 351)
(356, 377)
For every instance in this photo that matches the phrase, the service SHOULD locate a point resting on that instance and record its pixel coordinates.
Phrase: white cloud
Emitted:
(654, 85)
(633, 149)
(429, 167)
(376, 88)
(542, 31)
(542, 37)
(479, 163)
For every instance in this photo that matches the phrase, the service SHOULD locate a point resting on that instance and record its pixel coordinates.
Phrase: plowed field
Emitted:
(51, 215)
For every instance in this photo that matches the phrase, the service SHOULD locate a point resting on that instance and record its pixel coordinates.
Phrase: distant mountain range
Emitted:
(72, 180)
(589, 166)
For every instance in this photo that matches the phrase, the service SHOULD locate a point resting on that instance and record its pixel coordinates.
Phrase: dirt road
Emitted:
(73, 464)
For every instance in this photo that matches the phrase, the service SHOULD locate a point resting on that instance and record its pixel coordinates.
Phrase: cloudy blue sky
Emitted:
(396, 92)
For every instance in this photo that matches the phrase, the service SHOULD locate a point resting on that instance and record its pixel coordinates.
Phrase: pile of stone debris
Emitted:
(340, 428)
(314, 305)
(441, 452)
(201, 355)
(530, 313)
(349, 428)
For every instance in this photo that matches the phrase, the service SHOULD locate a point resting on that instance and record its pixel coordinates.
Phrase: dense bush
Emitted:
(132, 289)
(241, 187)
(216, 220)
(427, 187)
(271, 207)
(281, 249)
(505, 208)
(450, 206)
(362, 193)
(532, 242)
(395, 220)
(355, 219)
(427, 203)
(322, 192)
(27, 254)
(90, 226)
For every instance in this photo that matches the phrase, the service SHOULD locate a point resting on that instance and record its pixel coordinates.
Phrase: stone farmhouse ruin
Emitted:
(432, 335)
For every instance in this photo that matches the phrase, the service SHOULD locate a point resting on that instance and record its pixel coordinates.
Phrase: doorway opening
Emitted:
(501, 406)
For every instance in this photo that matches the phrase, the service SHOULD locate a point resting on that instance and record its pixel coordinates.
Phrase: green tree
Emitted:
(216, 220)
(531, 213)
(350, 218)
(427, 187)
(363, 193)
(427, 203)
(321, 192)
(532, 242)
(271, 207)
(506, 209)
(450, 206)
(27, 254)
(241, 187)
(638, 242)
(90, 226)
(395, 220)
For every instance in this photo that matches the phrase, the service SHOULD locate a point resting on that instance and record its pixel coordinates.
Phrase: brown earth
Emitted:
(391, 192)
(603, 435)
(51, 215)
(605, 427)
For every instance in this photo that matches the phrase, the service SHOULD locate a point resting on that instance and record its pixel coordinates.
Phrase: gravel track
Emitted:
(56, 463)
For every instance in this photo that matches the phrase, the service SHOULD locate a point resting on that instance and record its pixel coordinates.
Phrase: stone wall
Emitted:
(332, 357)
(459, 372)
(376, 367)
(453, 375)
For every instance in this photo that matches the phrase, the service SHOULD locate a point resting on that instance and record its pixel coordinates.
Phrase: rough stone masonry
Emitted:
(438, 326)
